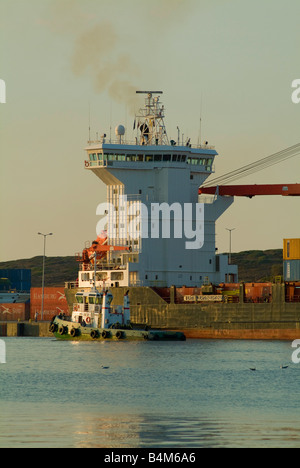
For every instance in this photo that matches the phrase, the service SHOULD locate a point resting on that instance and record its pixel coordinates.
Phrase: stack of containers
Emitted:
(54, 302)
(291, 259)
(19, 278)
(14, 311)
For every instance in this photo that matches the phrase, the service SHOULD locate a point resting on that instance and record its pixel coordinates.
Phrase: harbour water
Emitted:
(193, 394)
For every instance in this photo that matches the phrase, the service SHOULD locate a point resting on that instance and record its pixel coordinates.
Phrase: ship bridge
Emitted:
(104, 156)
(156, 170)
(151, 149)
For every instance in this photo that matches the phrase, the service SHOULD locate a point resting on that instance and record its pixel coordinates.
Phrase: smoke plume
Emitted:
(96, 44)
(95, 51)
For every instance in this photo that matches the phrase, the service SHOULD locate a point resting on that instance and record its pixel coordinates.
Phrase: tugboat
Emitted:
(94, 318)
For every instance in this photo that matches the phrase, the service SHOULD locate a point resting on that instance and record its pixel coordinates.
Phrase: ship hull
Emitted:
(275, 320)
(67, 330)
(288, 334)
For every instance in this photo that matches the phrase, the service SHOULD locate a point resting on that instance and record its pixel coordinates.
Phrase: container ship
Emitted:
(156, 239)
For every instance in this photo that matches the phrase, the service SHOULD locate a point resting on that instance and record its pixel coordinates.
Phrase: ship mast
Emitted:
(151, 120)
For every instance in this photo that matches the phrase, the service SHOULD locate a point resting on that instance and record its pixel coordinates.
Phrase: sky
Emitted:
(68, 64)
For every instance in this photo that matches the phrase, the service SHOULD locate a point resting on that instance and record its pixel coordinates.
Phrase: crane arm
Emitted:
(252, 190)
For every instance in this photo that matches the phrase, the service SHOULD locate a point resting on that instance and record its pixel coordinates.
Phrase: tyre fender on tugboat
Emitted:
(74, 332)
(95, 334)
(53, 328)
(63, 330)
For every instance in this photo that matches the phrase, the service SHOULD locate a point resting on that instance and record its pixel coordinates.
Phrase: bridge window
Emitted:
(208, 164)
(101, 276)
(131, 157)
(120, 157)
(157, 157)
(85, 277)
(117, 276)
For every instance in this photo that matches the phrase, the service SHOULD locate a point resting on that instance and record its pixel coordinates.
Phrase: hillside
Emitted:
(254, 265)
(258, 265)
(57, 269)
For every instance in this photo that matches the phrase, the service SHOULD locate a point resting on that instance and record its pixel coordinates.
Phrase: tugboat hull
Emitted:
(66, 330)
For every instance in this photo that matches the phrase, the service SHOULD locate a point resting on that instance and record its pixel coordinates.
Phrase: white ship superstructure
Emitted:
(152, 185)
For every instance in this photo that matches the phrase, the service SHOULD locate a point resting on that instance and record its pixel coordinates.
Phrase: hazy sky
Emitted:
(232, 60)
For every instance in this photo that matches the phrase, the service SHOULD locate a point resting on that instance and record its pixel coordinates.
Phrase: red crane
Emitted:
(252, 190)
(99, 247)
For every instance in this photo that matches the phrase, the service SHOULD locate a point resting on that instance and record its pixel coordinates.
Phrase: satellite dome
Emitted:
(120, 130)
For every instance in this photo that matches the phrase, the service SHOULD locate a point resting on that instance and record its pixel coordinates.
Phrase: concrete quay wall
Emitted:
(29, 329)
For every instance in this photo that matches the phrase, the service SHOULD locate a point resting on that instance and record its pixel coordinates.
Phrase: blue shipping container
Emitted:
(291, 270)
(20, 279)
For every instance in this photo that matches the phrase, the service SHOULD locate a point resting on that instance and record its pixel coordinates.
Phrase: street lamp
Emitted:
(232, 229)
(43, 280)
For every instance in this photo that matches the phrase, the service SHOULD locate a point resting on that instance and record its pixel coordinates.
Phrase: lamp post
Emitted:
(232, 229)
(43, 280)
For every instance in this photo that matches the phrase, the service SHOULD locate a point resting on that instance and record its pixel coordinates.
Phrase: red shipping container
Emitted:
(258, 292)
(54, 303)
(13, 312)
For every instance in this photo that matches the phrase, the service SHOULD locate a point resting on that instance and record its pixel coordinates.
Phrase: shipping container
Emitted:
(291, 249)
(292, 291)
(13, 312)
(55, 302)
(18, 279)
(291, 270)
(258, 292)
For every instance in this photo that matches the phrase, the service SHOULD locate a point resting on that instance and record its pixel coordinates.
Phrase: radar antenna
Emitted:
(151, 120)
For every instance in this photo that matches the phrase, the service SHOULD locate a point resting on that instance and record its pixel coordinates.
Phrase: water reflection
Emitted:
(161, 431)
(54, 425)
(186, 395)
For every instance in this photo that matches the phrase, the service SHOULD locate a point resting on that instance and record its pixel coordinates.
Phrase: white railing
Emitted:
(110, 141)
(136, 142)
(103, 267)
